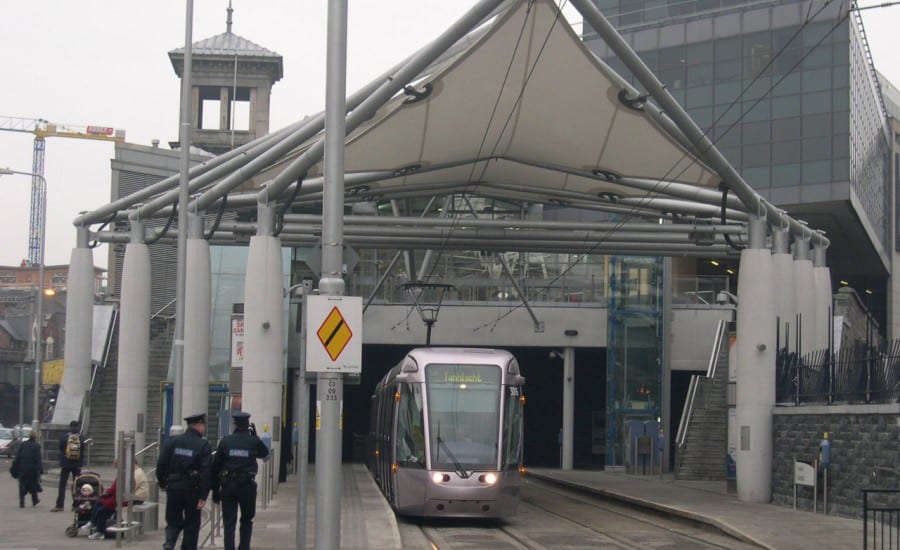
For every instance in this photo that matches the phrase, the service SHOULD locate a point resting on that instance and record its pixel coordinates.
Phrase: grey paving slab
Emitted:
(366, 519)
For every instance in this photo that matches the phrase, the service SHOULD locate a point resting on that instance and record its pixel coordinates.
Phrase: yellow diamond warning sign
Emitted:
(336, 322)
(334, 333)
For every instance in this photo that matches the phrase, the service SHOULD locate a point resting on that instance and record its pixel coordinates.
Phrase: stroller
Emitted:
(86, 489)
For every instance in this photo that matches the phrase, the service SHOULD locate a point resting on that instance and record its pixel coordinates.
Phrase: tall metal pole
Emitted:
(38, 352)
(181, 271)
(38, 308)
(329, 386)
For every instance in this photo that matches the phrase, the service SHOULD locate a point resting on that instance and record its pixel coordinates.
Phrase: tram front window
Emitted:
(463, 415)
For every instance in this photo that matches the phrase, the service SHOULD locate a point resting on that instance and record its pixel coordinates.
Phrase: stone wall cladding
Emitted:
(864, 443)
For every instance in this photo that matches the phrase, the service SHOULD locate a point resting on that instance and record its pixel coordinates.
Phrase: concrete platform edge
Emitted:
(643, 503)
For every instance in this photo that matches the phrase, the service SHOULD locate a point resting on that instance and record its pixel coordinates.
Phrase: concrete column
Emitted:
(755, 368)
(822, 284)
(264, 326)
(785, 299)
(805, 295)
(79, 324)
(197, 316)
(568, 434)
(134, 337)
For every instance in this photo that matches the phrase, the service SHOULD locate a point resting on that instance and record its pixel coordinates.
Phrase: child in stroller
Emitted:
(85, 492)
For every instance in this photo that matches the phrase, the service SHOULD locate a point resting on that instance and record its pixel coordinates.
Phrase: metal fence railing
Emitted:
(881, 518)
(857, 374)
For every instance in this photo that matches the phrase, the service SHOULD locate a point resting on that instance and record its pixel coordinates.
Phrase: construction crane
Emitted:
(43, 129)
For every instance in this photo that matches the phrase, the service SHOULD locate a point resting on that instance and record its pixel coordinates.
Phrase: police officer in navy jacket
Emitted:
(234, 469)
(183, 471)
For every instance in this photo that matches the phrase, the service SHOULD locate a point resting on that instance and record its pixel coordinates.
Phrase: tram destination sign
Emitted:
(334, 334)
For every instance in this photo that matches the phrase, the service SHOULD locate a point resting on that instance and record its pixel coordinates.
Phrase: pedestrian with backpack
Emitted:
(71, 459)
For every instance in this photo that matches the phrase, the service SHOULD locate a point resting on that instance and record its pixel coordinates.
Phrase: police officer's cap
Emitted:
(241, 418)
(196, 418)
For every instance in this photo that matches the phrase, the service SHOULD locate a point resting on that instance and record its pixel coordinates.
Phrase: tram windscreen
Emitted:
(463, 415)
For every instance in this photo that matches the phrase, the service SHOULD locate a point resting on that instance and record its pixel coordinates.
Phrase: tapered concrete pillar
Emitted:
(785, 299)
(197, 317)
(79, 323)
(822, 284)
(568, 433)
(134, 337)
(805, 295)
(264, 327)
(755, 368)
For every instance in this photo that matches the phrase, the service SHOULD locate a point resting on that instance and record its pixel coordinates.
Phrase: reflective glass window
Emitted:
(787, 85)
(410, 441)
(817, 148)
(840, 146)
(700, 52)
(727, 92)
(756, 155)
(816, 171)
(463, 415)
(817, 32)
(785, 129)
(728, 48)
(818, 102)
(785, 106)
(728, 69)
(840, 99)
(818, 57)
(699, 96)
(757, 53)
(840, 169)
(785, 175)
(840, 76)
(757, 110)
(817, 80)
(787, 152)
(817, 125)
(756, 132)
(787, 61)
(840, 122)
(700, 74)
(682, 7)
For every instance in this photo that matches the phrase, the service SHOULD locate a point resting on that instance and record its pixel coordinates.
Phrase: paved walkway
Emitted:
(367, 521)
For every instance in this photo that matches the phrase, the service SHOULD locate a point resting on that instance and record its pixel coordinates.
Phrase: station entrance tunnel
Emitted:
(543, 406)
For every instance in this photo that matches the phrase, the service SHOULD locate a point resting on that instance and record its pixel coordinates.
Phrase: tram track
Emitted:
(553, 517)
(687, 534)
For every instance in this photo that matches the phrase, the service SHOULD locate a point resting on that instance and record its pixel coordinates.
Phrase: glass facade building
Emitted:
(787, 92)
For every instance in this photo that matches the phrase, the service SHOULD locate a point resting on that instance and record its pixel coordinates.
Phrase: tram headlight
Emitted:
(490, 479)
(439, 478)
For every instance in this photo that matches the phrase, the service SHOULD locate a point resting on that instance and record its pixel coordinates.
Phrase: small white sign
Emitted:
(804, 474)
(334, 334)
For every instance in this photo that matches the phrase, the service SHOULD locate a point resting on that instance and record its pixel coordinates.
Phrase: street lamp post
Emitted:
(38, 355)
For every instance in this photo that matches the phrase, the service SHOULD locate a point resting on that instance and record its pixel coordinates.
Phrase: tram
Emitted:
(446, 430)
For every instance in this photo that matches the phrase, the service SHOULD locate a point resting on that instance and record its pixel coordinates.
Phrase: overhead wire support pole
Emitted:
(181, 271)
(329, 385)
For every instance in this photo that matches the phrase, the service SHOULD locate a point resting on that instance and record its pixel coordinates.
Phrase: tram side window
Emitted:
(410, 427)
(512, 430)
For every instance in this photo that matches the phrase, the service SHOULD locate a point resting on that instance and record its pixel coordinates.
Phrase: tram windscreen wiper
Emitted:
(459, 468)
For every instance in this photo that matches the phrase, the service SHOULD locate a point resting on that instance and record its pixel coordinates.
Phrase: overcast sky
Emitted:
(105, 62)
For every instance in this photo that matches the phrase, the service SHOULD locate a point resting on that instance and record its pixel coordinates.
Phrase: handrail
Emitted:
(158, 313)
(153, 445)
(717, 346)
(688, 410)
